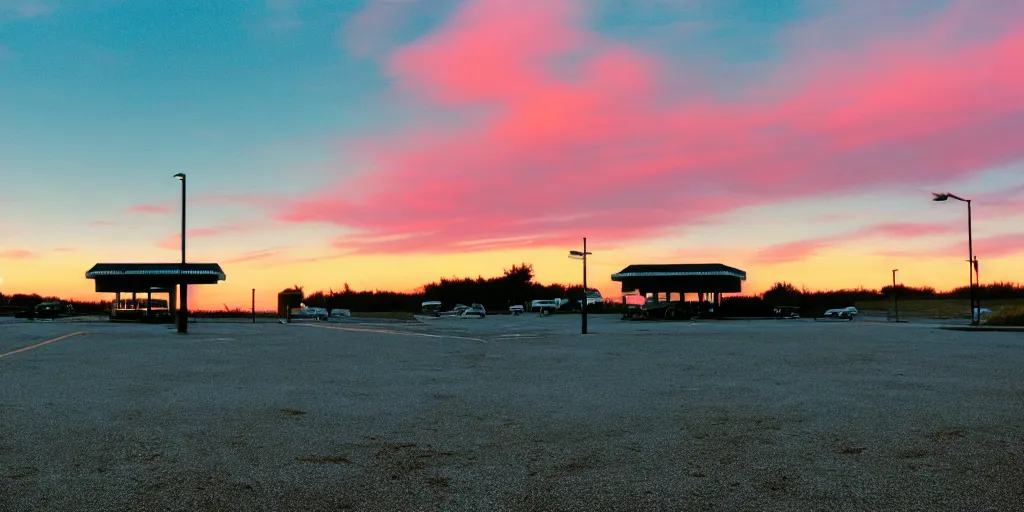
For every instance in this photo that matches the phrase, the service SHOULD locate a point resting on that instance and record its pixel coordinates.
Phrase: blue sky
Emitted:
(312, 131)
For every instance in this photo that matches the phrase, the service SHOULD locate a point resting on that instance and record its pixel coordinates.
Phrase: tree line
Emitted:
(517, 286)
(816, 302)
(514, 286)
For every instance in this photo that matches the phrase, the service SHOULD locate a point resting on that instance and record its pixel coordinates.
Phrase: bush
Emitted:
(1007, 316)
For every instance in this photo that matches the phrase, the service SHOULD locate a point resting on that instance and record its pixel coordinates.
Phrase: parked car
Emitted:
(25, 313)
(462, 310)
(545, 307)
(431, 307)
(475, 310)
(670, 310)
(594, 300)
(310, 312)
(848, 313)
(53, 309)
(786, 312)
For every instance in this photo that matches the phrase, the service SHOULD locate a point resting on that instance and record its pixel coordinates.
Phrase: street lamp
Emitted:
(970, 244)
(582, 255)
(895, 299)
(183, 310)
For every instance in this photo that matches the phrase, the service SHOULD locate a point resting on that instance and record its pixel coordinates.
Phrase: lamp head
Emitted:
(939, 197)
(180, 176)
(575, 253)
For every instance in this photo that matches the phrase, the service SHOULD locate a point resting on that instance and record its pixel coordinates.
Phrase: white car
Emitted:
(546, 306)
(309, 312)
(849, 313)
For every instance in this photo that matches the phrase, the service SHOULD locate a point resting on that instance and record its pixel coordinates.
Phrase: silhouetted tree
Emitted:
(781, 294)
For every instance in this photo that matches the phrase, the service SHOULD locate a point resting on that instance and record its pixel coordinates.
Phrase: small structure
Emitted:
(288, 300)
(704, 279)
(149, 278)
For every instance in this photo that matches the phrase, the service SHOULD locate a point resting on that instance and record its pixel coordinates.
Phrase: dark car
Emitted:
(53, 309)
(667, 310)
(786, 312)
(20, 312)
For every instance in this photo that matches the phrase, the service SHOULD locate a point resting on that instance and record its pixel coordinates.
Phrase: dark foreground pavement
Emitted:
(515, 413)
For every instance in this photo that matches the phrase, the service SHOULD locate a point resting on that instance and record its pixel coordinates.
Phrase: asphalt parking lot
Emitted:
(510, 413)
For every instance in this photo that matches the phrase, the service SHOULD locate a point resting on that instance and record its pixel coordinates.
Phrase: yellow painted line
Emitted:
(37, 345)
(397, 333)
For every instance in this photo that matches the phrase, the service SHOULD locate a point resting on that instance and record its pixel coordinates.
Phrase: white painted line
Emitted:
(397, 333)
(37, 345)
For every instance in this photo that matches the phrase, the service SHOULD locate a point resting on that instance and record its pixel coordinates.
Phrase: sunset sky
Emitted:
(387, 143)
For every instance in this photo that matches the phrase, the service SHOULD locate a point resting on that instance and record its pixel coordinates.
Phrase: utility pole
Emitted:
(977, 279)
(970, 264)
(254, 305)
(895, 295)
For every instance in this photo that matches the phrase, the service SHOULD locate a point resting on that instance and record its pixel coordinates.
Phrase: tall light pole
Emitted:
(970, 244)
(895, 299)
(583, 256)
(183, 310)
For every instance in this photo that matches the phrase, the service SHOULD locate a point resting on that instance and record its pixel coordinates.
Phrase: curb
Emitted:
(983, 328)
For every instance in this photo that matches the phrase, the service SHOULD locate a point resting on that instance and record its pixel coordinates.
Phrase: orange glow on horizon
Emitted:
(64, 274)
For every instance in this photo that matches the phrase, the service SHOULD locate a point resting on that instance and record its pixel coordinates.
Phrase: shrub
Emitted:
(1007, 316)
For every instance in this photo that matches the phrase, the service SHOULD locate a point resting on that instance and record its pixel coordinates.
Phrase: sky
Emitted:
(387, 143)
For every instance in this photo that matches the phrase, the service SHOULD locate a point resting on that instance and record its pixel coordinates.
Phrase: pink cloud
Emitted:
(65, 249)
(374, 28)
(985, 248)
(791, 251)
(1008, 202)
(998, 246)
(907, 230)
(174, 241)
(249, 200)
(894, 233)
(148, 208)
(17, 254)
(252, 255)
(559, 131)
(28, 8)
(100, 223)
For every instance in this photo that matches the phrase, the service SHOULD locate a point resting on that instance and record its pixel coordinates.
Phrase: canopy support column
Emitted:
(172, 303)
